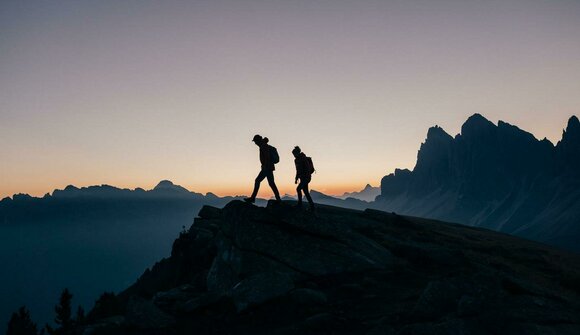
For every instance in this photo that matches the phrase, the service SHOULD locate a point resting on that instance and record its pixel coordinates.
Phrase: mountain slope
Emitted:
(279, 270)
(75, 235)
(494, 176)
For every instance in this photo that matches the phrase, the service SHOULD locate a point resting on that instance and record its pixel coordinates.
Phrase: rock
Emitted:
(447, 327)
(350, 289)
(468, 306)
(143, 314)
(300, 243)
(202, 235)
(252, 263)
(260, 288)
(206, 224)
(382, 329)
(209, 212)
(168, 299)
(225, 269)
(278, 270)
(200, 302)
(104, 326)
(321, 323)
(442, 257)
(438, 299)
(306, 296)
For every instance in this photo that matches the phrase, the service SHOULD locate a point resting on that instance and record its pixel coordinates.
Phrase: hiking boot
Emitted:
(250, 200)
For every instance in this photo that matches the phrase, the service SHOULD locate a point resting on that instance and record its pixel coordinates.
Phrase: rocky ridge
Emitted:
(280, 270)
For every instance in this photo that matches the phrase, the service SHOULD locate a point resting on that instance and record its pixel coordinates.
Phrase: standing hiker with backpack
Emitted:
(304, 171)
(268, 158)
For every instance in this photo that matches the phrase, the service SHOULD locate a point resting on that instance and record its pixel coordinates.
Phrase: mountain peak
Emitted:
(168, 187)
(477, 118)
(572, 132)
(437, 132)
(569, 145)
(164, 184)
(573, 125)
(476, 125)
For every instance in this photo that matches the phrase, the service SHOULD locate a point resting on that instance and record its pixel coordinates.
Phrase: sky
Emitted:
(128, 93)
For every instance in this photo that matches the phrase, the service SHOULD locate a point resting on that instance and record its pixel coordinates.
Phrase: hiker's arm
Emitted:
(297, 171)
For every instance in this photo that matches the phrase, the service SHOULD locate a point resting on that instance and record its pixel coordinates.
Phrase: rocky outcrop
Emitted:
(494, 176)
(568, 149)
(280, 270)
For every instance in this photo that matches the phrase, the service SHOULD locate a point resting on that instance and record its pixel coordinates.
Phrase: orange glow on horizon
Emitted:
(221, 191)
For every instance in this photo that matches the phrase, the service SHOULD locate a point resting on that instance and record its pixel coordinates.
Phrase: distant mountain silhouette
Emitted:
(494, 176)
(169, 188)
(321, 198)
(94, 239)
(369, 193)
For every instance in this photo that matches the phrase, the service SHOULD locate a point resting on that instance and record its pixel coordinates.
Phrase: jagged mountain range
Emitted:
(497, 177)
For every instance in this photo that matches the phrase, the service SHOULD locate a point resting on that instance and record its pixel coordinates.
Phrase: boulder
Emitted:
(225, 269)
(303, 244)
(168, 299)
(104, 326)
(322, 323)
(260, 288)
(200, 302)
(143, 314)
(209, 212)
(307, 296)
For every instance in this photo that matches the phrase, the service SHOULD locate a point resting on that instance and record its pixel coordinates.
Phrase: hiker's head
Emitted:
(258, 139)
(296, 151)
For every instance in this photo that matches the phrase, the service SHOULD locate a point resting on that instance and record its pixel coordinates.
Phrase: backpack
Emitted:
(309, 165)
(274, 157)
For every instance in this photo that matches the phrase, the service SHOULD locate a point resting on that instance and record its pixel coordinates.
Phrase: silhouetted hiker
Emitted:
(304, 171)
(268, 157)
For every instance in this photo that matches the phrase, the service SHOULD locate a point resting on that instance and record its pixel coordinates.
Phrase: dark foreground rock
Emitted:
(279, 270)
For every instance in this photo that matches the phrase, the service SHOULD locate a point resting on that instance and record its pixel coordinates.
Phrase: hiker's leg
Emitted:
(299, 192)
(307, 194)
(270, 176)
(257, 182)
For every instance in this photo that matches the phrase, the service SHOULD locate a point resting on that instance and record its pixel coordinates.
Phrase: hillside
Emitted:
(279, 270)
(494, 176)
(96, 231)
(72, 236)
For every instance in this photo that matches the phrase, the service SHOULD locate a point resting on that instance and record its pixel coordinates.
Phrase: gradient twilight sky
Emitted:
(131, 92)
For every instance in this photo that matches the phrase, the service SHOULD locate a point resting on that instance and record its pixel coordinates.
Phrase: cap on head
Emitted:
(296, 150)
(257, 138)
